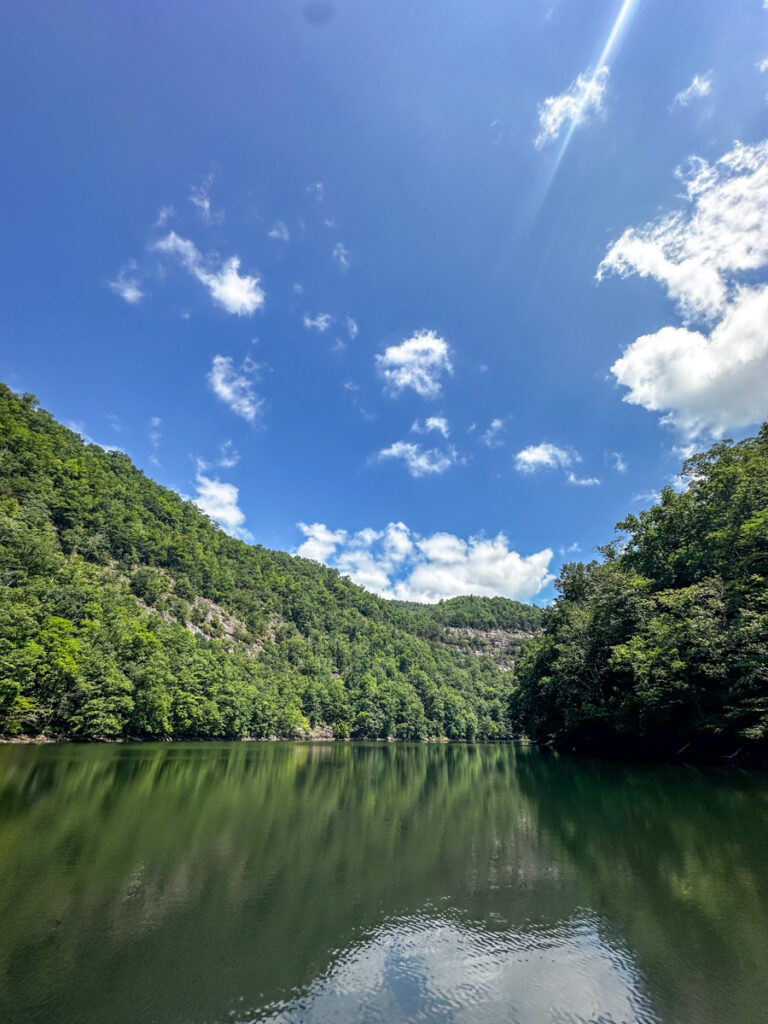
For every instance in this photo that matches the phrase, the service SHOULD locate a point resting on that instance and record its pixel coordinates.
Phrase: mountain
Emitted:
(126, 612)
(662, 648)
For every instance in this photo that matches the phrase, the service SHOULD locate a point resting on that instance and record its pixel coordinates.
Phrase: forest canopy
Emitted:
(662, 646)
(126, 612)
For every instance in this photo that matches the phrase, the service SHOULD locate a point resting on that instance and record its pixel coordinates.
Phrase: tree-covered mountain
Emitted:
(124, 611)
(662, 647)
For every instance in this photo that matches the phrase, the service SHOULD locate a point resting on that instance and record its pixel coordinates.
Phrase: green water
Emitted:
(183, 884)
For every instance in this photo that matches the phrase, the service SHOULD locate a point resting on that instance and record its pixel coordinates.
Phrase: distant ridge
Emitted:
(126, 613)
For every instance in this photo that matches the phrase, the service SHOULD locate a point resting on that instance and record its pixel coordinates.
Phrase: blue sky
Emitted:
(453, 285)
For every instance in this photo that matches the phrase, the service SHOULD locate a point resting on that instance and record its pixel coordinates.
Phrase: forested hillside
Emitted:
(662, 648)
(124, 611)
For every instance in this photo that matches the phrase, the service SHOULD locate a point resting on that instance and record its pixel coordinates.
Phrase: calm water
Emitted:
(181, 884)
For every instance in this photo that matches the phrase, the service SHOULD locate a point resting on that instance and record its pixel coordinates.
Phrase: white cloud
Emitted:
(321, 322)
(420, 461)
(127, 284)
(236, 293)
(700, 86)
(417, 363)
(155, 437)
(491, 437)
(341, 256)
(164, 214)
(228, 455)
(763, 66)
(722, 232)
(200, 197)
(582, 98)
(544, 456)
(235, 388)
(714, 379)
(715, 382)
(399, 563)
(79, 428)
(583, 481)
(280, 231)
(618, 462)
(316, 190)
(220, 501)
(352, 328)
(438, 423)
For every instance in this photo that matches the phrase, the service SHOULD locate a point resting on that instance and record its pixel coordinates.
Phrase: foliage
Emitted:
(124, 611)
(663, 646)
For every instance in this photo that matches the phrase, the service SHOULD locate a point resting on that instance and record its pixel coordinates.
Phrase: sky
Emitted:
(432, 292)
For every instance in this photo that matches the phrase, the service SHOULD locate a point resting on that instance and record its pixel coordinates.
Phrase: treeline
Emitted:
(471, 612)
(662, 647)
(124, 611)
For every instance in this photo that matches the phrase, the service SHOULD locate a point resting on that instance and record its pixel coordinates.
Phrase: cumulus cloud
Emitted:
(280, 231)
(235, 386)
(321, 322)
(618, 462)
(419, 461)
(544, 456)
(716, 378)
(236, 293)
(127, 284)
(219, 500)
(438, 423)
(581, 99)
(700, 86)
(352, 328)
(341, 256)
(704, 382)
(417, 363)
(722, 232)
(398, 563)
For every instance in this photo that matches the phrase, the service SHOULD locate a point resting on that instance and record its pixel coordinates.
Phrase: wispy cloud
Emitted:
(155, 437)
(700, 86)
(235, 387)
(583, 481)
(240, 294)
(419, 461)
(491, 437)
(438, 423)
(321, 322)
(582, 99)
(200, 197)
(228, 455)
(341, 256)
(127, 284)
(280, 231)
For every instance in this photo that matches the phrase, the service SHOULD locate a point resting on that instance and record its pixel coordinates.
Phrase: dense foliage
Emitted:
(124, 611)
(663, 646)
(470, 612)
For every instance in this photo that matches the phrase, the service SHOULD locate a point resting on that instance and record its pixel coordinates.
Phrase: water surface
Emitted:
(207, 883)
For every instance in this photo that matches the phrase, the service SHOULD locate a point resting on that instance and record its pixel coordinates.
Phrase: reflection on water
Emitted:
(437, 969)
(291, 882)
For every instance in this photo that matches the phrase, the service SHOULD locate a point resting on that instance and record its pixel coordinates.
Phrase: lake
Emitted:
(290, 882)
